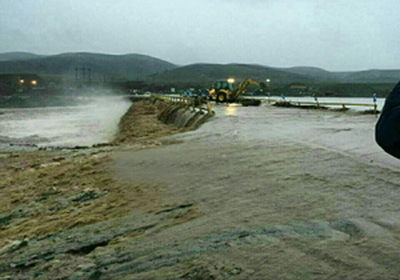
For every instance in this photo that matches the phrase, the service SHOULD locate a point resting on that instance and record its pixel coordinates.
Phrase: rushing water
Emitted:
(89, 124)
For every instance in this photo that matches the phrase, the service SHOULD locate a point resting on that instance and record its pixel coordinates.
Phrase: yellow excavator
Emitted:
(223, 91)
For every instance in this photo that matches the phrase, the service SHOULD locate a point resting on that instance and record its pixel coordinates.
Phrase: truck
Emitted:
(224, 92)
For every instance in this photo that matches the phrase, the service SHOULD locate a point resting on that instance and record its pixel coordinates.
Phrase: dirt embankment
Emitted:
(140, 125)
(46, 195)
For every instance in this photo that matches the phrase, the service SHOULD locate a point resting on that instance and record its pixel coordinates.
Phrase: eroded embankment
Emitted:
(182, 116)
(151, 119)
(57, 207)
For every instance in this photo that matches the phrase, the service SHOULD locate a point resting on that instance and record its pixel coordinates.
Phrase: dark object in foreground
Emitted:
(387, 129)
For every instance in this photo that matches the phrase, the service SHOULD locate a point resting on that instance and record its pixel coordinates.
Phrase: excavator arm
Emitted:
(243, 86)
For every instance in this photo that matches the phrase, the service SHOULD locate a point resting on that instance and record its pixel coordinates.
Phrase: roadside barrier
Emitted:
(317, 104)
(183, 111)
(194, 103)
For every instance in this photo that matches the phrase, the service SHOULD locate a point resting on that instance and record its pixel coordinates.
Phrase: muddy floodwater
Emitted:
(254, 193)
(280, 194)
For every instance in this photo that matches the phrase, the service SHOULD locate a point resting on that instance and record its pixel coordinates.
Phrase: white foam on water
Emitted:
(95, 122)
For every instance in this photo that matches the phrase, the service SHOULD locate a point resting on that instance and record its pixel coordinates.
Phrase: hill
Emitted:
(311, 72)
(18, 56)
(373, 76)
(367, 76)
(100, 66)
(208, 73)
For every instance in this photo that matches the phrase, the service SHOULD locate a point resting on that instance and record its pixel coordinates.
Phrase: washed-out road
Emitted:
(268, 193)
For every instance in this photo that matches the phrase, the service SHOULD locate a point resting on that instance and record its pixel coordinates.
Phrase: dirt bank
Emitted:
(256, 193)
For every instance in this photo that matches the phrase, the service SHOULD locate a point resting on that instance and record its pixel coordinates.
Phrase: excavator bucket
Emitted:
(250, 102)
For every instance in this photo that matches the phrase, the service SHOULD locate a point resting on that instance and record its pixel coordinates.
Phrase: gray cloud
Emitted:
(335, 35)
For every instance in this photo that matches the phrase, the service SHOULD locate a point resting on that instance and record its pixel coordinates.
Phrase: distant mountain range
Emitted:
(367, 76)
(143, 67)
(18, 56)
(129, 66)
(202, 73)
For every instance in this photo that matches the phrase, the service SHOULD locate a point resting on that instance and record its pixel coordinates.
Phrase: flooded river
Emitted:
(92, 123)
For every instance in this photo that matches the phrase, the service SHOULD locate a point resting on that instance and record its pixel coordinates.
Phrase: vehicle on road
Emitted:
(224, 91)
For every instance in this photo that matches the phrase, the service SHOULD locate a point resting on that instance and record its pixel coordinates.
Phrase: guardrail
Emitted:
(190, 102)
(318, 104)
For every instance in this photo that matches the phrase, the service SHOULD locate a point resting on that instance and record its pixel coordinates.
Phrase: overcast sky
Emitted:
(332, 34)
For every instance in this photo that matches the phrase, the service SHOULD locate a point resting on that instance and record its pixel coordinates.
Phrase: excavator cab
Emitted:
(221, 91)
(223, 85)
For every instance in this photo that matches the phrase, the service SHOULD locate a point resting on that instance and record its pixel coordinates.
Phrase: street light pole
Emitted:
(21, 83)
(268, 92)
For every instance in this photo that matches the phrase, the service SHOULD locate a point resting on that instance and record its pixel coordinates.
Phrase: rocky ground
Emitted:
(255, 193)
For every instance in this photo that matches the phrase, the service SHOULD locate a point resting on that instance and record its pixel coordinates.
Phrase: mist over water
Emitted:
(82, 125)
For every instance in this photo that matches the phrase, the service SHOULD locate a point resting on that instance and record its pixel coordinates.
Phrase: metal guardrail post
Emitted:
(209, 109)
(200, 103)
(374, 99)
